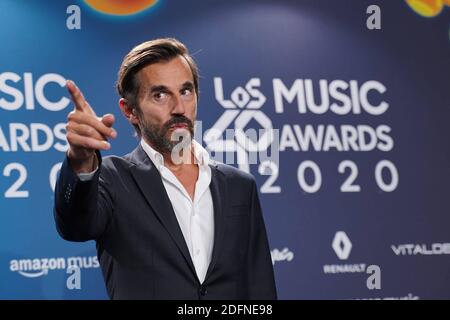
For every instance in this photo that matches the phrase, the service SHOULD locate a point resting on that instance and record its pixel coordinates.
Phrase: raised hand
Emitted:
(86, 132)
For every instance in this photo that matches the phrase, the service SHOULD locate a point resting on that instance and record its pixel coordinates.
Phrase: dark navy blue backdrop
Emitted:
(357, 202)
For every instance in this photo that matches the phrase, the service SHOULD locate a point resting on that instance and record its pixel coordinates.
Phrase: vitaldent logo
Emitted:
(38, 267)
(412, 249)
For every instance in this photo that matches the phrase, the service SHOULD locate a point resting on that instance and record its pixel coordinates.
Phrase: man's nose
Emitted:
(178, 105)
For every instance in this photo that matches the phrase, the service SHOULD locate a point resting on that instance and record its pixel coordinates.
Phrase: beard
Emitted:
(161, 139)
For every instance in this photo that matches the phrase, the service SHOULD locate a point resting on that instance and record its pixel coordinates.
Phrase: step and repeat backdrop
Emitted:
(354, 179)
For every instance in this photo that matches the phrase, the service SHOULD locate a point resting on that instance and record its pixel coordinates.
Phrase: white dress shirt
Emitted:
(195, 217)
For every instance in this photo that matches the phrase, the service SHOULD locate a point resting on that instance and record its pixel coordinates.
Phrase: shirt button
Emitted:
(202, 290)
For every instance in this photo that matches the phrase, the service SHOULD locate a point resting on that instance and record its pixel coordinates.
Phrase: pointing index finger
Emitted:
(77, 97)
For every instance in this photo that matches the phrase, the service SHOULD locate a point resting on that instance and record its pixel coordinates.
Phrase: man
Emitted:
(164, 228)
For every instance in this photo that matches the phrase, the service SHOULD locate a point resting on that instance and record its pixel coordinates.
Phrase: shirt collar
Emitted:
(201, 155)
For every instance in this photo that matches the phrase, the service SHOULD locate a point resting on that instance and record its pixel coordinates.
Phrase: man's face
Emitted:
(167, 103)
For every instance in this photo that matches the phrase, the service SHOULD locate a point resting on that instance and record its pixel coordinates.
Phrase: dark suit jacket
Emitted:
(141, 249)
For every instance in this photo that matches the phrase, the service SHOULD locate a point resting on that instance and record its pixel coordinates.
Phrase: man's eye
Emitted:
(159, 96)
(186, 92)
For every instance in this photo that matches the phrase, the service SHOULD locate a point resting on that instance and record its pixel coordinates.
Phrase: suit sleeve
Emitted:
(260, 269)
(82, 209)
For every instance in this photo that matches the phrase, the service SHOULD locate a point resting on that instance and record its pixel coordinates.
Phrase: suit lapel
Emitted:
(220, 199)
(149, 181)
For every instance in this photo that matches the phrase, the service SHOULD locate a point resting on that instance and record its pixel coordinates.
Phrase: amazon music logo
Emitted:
(38, 267)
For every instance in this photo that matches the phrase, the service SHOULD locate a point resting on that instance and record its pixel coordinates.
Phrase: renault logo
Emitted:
(342, 245)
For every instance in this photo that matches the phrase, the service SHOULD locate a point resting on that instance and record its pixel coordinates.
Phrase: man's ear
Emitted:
(128, 111)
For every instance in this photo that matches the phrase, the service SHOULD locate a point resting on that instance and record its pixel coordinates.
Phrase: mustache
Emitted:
(178, 120)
